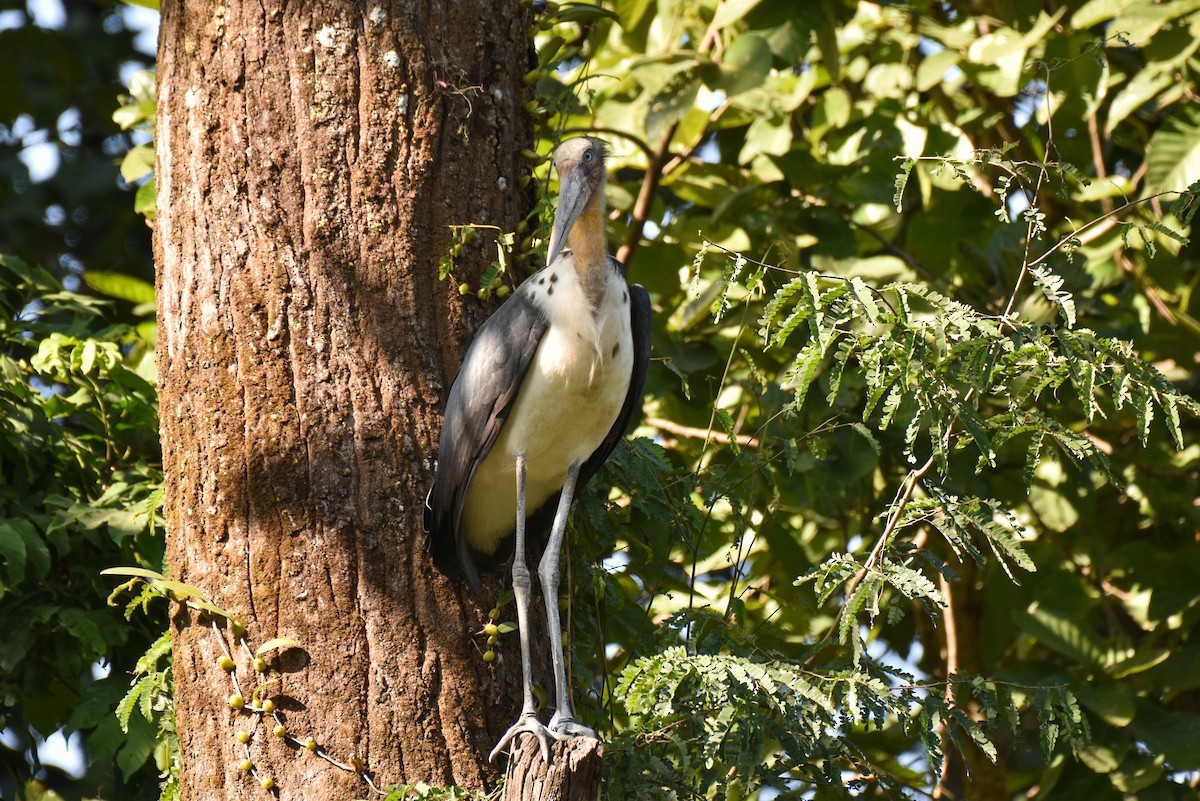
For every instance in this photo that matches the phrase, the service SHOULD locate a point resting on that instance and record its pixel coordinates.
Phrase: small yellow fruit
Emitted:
(267, 783)
(246, 766)
(237, 629)
(310, 744)
(494, 614)
(260, 664)
(489, 656)
(502, 291)
(243, 736)
(482, 294)
(226, 664)
(268, 706)
(237, 701)
(491, 629)
(464, 289)
(279, 730)
(493, 640)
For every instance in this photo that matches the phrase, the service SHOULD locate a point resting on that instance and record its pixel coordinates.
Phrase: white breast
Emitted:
(569, 400)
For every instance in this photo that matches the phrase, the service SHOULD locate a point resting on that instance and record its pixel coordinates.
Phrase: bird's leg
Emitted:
(563, 724)
(528, 722)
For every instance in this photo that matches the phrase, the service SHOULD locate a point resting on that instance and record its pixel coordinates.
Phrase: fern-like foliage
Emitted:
(150, 696)
(738, 724)
(954, 384)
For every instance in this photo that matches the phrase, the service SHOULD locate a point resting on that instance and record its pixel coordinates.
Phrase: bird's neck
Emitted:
(589, 252)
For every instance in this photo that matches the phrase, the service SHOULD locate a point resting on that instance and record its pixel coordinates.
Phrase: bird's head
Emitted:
(580, 166)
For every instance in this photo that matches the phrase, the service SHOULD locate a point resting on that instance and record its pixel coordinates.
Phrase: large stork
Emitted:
(543, 396)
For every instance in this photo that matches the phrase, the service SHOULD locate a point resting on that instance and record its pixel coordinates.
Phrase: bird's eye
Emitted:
(587, 155)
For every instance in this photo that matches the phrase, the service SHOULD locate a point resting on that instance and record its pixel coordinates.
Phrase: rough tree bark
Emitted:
(311, 157)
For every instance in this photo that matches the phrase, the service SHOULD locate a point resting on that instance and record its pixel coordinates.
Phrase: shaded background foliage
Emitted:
(775, 131)
(64, 68)
(78, 448)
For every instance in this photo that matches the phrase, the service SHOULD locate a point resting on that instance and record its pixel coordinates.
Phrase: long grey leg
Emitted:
(528, 722)
(563, 723)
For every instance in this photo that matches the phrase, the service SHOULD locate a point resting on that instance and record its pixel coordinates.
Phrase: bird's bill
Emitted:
(573, 195)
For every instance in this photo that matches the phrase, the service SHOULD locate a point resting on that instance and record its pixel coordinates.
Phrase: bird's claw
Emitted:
(528, 724)
(564, 727)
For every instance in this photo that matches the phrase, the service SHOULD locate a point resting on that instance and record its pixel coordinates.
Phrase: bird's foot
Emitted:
(564, 727)
(527, 724)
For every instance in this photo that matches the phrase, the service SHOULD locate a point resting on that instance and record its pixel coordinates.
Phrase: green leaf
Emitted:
(122, 287)
(901, 182)
(1144, 659)
(278, 643)
(671, 103)
(1174, 734)
(1174, 158)
(138, 572)
(137, 164)
(730, 11)
(1062, 634)
(933, 68)
(13, 550)
(144, 201)
(1145, 85)
(138, 746)
(866, 434)
(769, 134)
(746, 64)
(1112, 701)
(584, 13)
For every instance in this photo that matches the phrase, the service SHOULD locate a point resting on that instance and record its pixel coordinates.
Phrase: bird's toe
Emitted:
(564, 726)
(528, 724)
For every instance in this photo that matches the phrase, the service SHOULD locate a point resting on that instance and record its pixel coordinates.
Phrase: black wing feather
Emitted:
(494, 367)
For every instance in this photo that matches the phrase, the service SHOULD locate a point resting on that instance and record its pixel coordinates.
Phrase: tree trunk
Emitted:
(311, 157)
(968, 773)
(573, 774)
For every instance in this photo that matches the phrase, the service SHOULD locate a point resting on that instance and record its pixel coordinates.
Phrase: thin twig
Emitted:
(1103, 218)
(695, 432)
(641, 206)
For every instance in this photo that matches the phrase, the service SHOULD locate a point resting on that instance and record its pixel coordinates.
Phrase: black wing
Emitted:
(480, 401)
(639, 314)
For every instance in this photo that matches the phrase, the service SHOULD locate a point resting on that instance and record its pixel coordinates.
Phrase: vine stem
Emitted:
(361, 771)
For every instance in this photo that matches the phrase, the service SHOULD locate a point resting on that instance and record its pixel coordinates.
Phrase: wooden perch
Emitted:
(573, 773)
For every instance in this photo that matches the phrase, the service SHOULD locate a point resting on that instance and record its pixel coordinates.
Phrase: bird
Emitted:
(543, 396)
